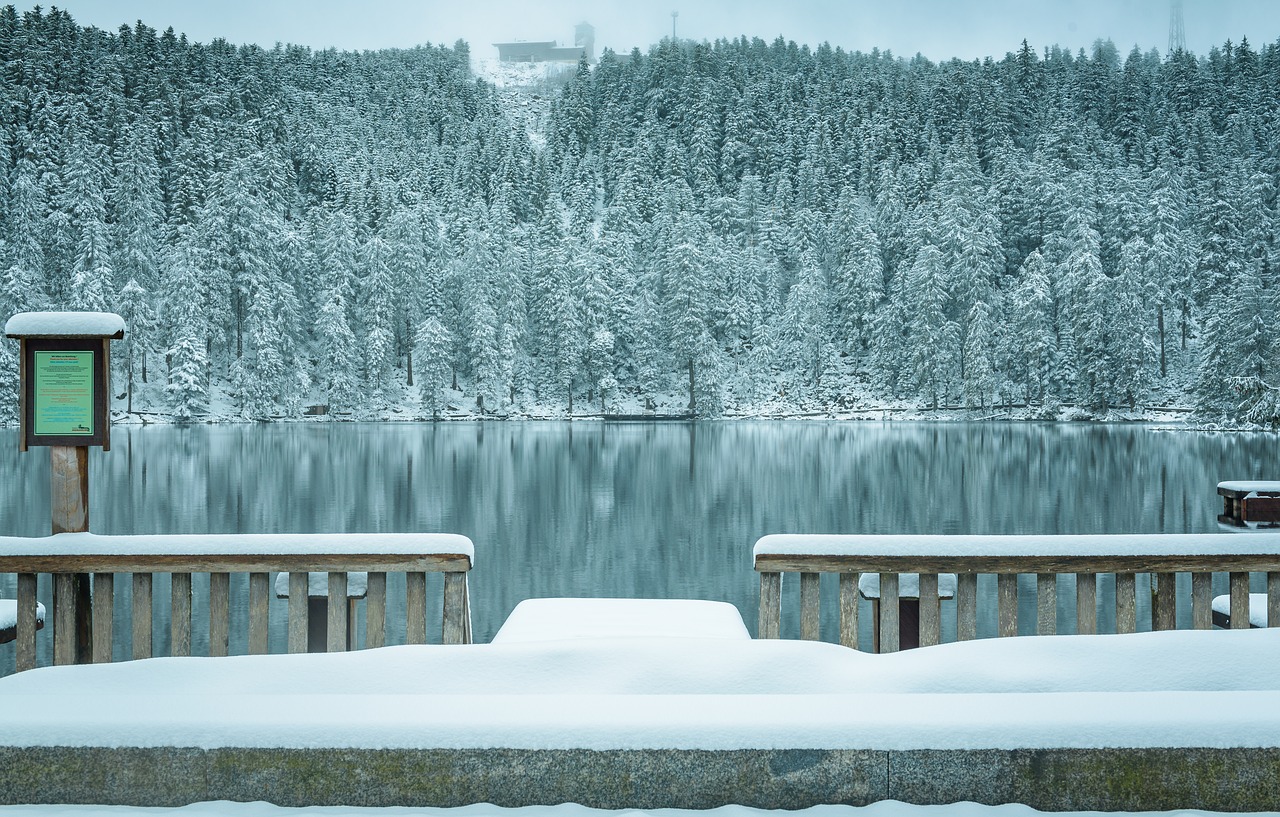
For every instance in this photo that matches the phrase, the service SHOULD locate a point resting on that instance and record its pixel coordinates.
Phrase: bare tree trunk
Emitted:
(1160, 324)
(408, 351)
(693, 405)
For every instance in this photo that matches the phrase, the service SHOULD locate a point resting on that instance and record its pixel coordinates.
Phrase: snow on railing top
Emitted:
(1033, 545)
(247, 544)
(1250, 486)
(63, 324)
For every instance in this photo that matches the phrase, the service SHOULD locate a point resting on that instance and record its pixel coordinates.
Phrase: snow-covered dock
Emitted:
(1149, 721)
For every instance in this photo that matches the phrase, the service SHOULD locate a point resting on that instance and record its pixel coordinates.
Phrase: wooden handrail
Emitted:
(67, 554)
(1047, 557)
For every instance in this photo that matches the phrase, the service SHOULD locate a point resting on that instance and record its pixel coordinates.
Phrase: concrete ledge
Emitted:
(1091, 779)
(1049, 779)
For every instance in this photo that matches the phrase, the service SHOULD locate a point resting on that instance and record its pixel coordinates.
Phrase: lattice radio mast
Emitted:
(1177, 33)
(674, 15)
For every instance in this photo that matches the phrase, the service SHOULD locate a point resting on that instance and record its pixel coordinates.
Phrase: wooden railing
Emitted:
(1082, 558)
(67, 555)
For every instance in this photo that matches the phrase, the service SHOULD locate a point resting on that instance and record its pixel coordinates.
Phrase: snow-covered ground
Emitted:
(1212, 689)
(886, 808)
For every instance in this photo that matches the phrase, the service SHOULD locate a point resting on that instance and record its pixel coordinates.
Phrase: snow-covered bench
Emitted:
(1250, 503)
(9, 619)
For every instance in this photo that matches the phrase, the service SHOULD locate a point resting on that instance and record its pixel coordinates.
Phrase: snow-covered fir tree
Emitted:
(724, 224)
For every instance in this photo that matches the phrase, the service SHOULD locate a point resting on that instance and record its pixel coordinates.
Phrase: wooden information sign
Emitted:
(65, 374)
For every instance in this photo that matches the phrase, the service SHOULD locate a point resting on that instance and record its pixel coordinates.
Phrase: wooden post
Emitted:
(69, 503)
(1046, 604)
(810, 606)
(337, 640)
(1007, 604)
(141, 615)
(966, 606)
(453, 627)
(889, 620)
(180, 614)
(219, 613)
(298, 612)
(1126, 603)
(259, 608)
(64, 611)
(26, 628)
(930, 612)
(103, 616)
(1086, 603)
(1239, 587)
(375, 612)
(849, 610)
(1164, 602)
(1202, 601)
(415, 603)
(770, 623)
(1273, 599)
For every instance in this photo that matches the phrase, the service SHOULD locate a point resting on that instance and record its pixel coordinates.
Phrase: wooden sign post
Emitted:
(63, 396)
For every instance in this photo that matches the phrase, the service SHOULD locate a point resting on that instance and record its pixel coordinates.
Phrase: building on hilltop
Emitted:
(549, 50)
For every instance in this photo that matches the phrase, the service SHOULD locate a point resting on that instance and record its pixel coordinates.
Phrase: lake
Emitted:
(666, 510)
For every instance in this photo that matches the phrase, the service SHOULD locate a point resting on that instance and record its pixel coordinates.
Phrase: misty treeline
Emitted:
(740, 224)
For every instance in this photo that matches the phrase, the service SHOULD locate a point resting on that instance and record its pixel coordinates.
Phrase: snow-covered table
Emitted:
(555, 619)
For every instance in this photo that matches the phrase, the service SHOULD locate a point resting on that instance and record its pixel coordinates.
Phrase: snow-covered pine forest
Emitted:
(731, 225)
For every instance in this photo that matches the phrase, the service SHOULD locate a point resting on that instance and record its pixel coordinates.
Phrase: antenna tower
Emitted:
(674, 15)
(1177, 33)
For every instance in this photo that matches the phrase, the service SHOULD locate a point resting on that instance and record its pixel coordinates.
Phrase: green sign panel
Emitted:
(63, 394)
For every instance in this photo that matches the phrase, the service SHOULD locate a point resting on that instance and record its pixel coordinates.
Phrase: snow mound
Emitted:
(1144, 690)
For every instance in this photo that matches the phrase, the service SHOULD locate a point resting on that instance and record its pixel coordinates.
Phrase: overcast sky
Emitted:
(938, 29)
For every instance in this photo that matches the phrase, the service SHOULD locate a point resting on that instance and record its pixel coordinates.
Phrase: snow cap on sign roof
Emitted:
(63, 324)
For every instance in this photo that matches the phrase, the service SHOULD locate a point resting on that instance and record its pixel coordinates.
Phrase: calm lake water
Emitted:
(637, 509)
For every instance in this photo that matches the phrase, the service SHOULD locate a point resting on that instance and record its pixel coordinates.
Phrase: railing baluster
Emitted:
(1164, 615)
(1239, 601)
(375, 612)
(770, 624)
(64, 618)
(259, 609)
(1007, 604)
(966, 606)
(1202, 601)
(415, 602)
(849, 610)
(1086, 603)
(453, 628)
(298, 602)
(1126, 603)
(141, 604)
(466, 609)
(930, 610)
(1046, 604)
(180, 613)
(25, 629)
(219, 614)
(104, 599)
(1273, 599)
(337, 623)
(810, 606)
(890, 639)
